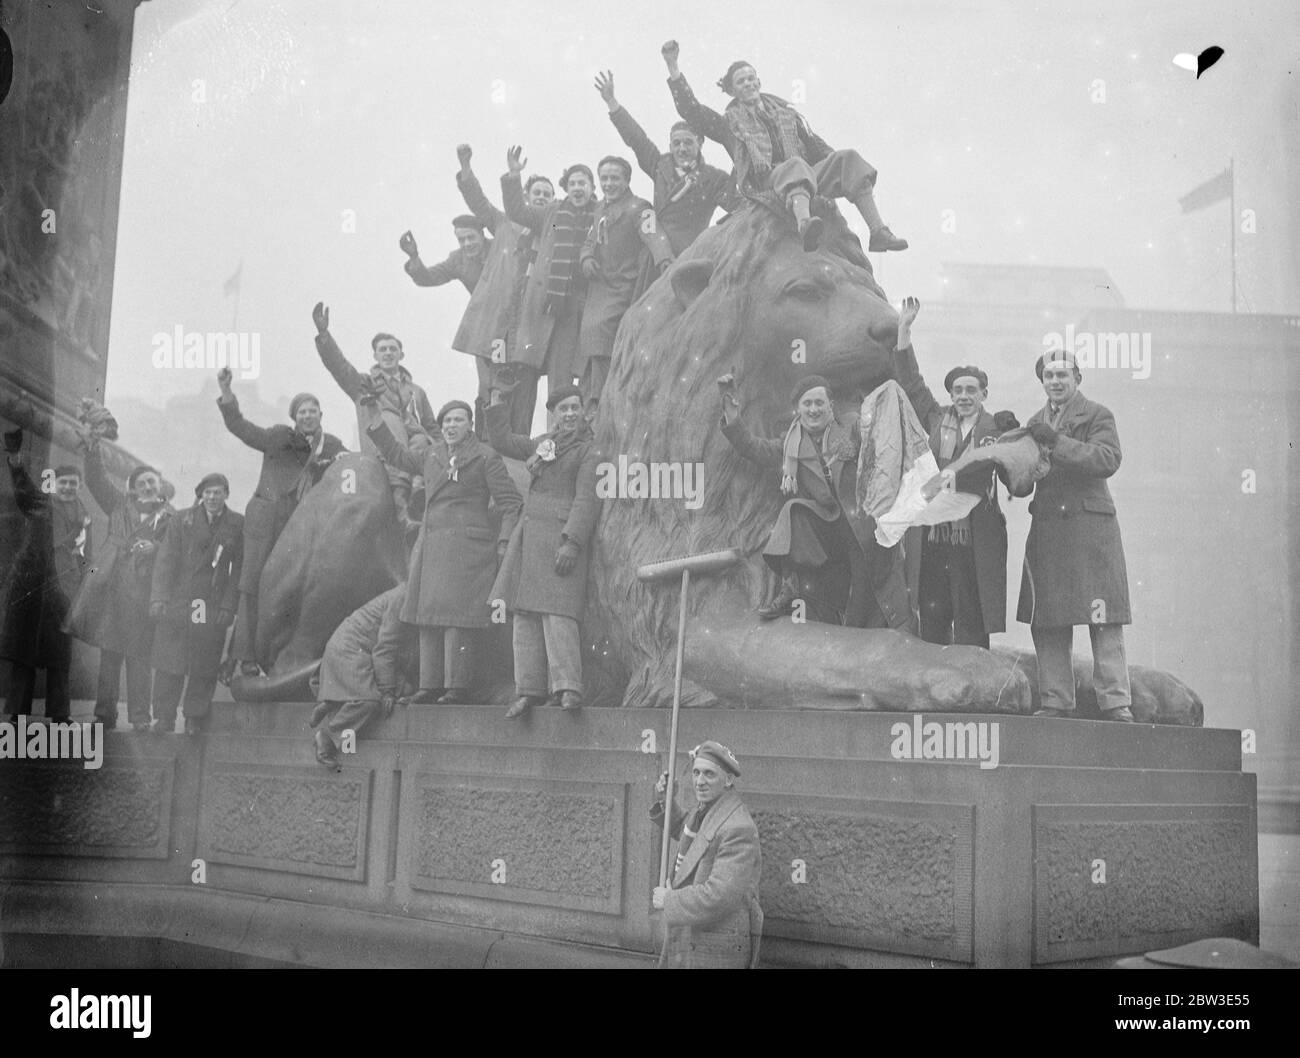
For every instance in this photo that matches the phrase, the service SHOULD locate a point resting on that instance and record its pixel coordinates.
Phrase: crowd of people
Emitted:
(550, 273)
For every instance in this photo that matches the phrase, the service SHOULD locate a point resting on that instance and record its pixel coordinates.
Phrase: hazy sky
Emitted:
(254, 124)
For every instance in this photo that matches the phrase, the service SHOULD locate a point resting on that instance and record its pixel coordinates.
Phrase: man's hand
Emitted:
(670, 51)
(224, 378)
(659, 897)
(906, 316)
(321, 317)
(566, 558)
(386, 703)
(661, 786)
(464, 152)
(1044, 434)
(225, 618)
(605, 86)
(408, 247)
(590, 268)
(727, 391)
(1006, 420)
(515, 160)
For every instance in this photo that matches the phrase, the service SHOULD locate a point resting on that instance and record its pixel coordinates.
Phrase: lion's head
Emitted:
(745, 298)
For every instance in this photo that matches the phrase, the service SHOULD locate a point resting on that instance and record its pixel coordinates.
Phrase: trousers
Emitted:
(139, 686)
(841, 174)
(546, 645)
(22, 686)
(167, 688)
(446, 658)
(949, 596)
(1055, 649)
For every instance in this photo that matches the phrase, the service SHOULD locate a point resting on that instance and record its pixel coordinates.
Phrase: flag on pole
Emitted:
(1210, 192)
(231, 286)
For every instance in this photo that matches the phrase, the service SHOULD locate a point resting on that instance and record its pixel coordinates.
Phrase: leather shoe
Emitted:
(570, 700)
(521, 706)
(812, 230)
(455, 696)
(249, 668)
(1060, 714)
(424, 696)
(1123, 714)
(326, 752)
(782, 604)
(883, 239)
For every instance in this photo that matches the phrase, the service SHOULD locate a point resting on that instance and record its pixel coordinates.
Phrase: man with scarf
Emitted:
(550, 309)
(820, 523)
(963, 590)
(686, 190)
(293, 460)
(712, 917)
(193, 601)
(492, 316)
(623, 240)
(543, 577)
(774, 149)
(111, 610)
(45, 576)
(1074, 558)
(404, 405)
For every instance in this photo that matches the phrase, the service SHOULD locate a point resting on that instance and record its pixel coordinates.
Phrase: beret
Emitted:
(1056, 356)
(210, 480)
(455, 404)
(719, 754)
(66, 470)
(143, 468)
(963, 371)
(578, 168)
(805, 384)
(684, 126)
(561, 393)
(468, 220)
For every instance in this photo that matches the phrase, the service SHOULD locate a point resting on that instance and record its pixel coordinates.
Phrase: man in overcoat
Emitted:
(687, 191)
(1074, 559)
(45, 576)
(963, 590)
(543, 577)
(711, 914)
(551, 305)
(775, 150)
(193, 602)
(293, 460)
(111, 609)
(819, 522)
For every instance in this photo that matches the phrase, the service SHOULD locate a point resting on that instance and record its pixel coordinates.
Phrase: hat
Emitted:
(725, 82)
(805, 384)
(67, 470)
(614, 159)
(455, 404)
(963, 371)
(1057, 356)
(578, 168)
(208, 481)
(297, 402)
(719, 754)
(143, 468)
(561, 393)
(684, 126)
(468, 220)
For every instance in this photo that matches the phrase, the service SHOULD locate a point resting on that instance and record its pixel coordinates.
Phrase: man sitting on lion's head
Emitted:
(819, 525)
(774, 149)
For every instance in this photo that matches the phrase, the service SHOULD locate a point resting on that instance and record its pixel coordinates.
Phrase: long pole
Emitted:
(1232, 205)
(669, 799)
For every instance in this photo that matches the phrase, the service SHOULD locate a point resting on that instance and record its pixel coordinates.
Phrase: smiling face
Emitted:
(388, 354)
(685, 148)
(815, 410)
(967, 395)
(745, 84)
(578, 188)
(613, 181)
(709, 780)
(66, 486)
(307, 418)
(146, 487)
(568, 414)
(1059, 383)
(214, 498)
(471, 240)
(541, 193)
(455, 426)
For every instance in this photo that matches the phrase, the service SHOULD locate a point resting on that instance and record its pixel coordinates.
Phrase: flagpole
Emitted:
(1232, 206)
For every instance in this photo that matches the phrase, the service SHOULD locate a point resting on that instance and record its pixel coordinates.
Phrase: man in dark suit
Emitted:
(293, 459)
(963, 589)
(1074, 558)
(193, 602)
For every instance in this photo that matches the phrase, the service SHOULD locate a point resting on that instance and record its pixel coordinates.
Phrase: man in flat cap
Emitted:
(820, 523)
(293, 460)
(1074, 560)
(963, 589)
(712, 918)
(193, 602)
(774, 149)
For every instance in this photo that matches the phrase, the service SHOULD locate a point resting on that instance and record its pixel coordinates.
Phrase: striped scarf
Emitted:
(690, 830)
(569, 226)
(948, 434)
(748, 126)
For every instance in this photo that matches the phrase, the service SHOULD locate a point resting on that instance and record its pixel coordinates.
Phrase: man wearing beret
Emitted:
(45, 576)
(963, 589)
(1074, 560)
(293, 460)
(193, 602)
(712, 917)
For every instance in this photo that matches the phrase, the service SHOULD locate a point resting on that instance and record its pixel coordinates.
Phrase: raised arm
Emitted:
(228, 404)
(350, 380)
(472, 192)
(514, 445)
(512, 193)
(647, 154)
(106, 494)
(394, 453)
(908, 372)
(706, 119)
(424, 276)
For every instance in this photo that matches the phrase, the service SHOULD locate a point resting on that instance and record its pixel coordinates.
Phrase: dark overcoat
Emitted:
(684, 208)
(454, 560)
(712, 916)
(288, 470)
(44, 578)
(561, 505)
(1074, 571)
(362, 660)
(541, 332)
(988, 525)
(813, 493)
(623, 236)
(111, 609)
(197, 560)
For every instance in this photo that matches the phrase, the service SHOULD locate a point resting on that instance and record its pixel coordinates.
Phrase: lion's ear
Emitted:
(689, 280)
